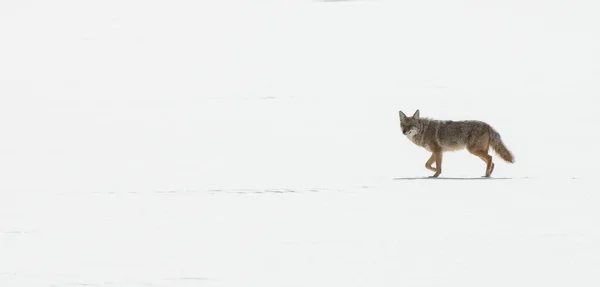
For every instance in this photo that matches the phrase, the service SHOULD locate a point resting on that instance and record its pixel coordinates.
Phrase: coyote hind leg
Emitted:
(483, 155)
(430, 162)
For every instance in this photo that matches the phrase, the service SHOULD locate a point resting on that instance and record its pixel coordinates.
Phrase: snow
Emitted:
(257, 143)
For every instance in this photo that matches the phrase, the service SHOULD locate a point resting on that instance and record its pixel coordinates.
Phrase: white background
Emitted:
(257, 143)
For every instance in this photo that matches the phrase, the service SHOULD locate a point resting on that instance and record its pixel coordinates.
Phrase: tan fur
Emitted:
(439, 136)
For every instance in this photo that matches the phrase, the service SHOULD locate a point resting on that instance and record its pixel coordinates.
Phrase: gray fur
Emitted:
(438, 136)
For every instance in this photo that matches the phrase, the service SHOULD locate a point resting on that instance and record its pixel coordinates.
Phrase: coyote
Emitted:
(438, 136)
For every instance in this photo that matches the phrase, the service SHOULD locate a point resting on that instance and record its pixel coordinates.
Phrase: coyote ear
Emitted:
(416, 115)
(402, 116)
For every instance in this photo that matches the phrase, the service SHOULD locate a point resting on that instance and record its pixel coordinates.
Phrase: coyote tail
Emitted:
(499, 147)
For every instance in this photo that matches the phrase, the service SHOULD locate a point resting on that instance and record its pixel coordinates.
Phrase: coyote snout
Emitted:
(438, 136)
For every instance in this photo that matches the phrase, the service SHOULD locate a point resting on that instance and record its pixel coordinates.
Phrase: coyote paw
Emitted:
(488, 173)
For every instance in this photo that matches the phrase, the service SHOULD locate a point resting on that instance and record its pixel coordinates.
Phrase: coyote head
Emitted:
(409, 125)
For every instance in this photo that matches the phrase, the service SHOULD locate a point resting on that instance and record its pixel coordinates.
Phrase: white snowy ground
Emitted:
(256, 143)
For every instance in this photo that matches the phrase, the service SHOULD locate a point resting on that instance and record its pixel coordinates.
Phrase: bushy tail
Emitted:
(499, 147)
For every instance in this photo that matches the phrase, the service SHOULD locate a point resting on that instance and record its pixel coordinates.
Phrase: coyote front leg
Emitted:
(430, 162)
(438, 163)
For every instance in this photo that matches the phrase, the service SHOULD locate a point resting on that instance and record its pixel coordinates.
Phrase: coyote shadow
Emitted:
(454, 178)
